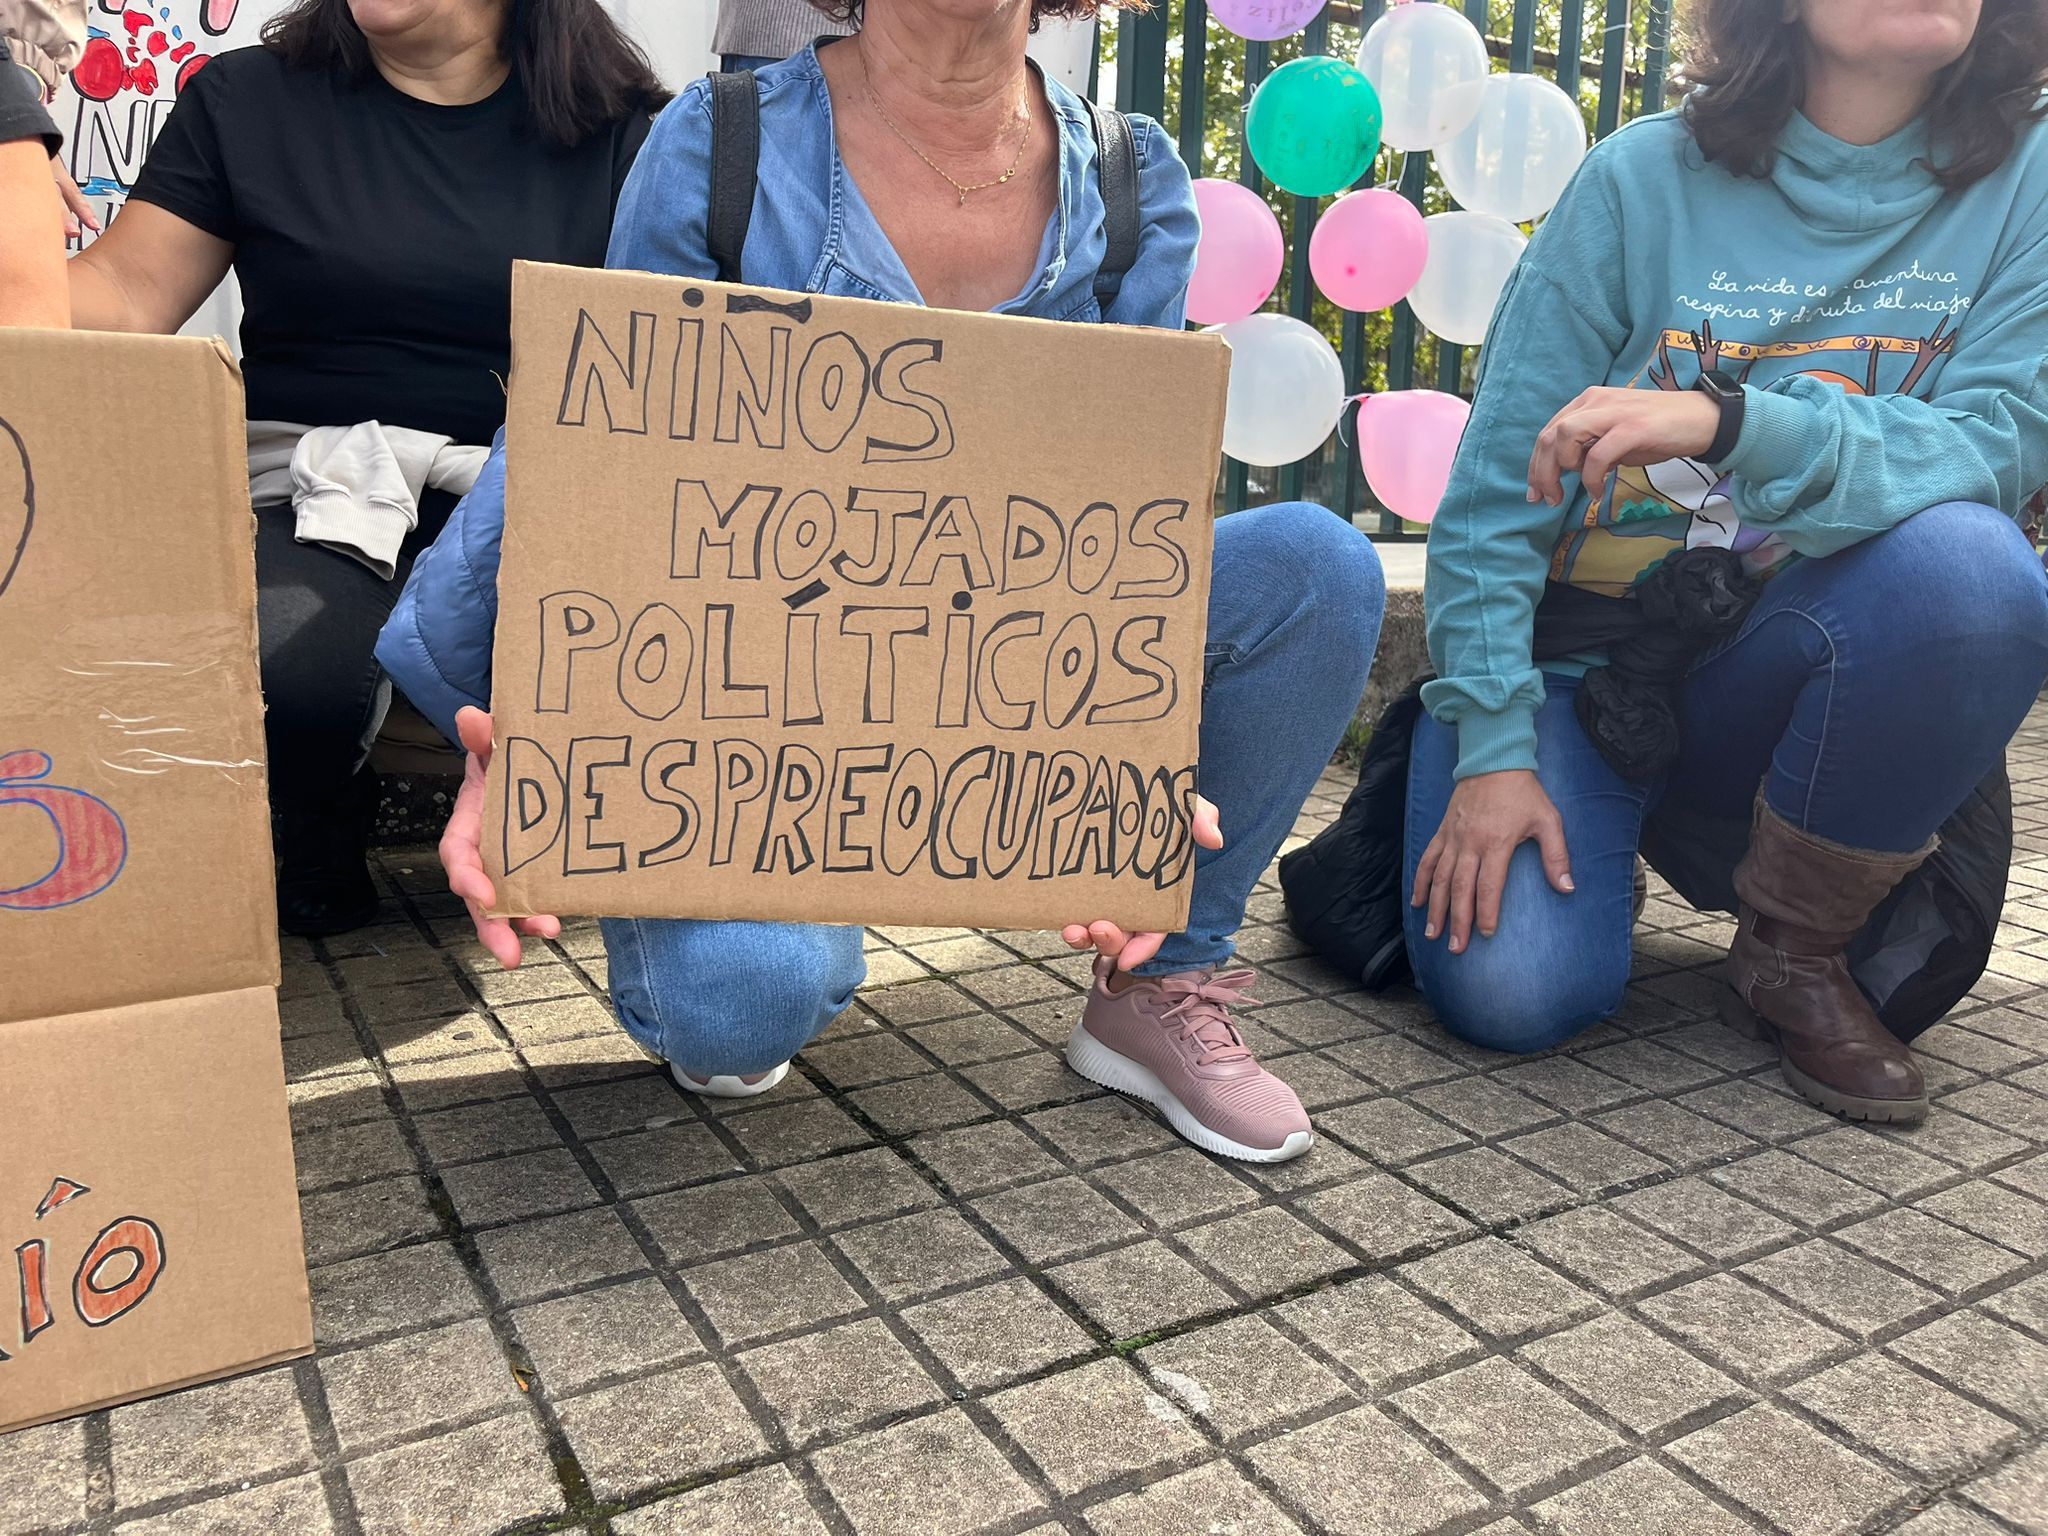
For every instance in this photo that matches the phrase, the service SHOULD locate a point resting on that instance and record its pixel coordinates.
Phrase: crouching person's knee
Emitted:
(730, 998)
(1503, 999)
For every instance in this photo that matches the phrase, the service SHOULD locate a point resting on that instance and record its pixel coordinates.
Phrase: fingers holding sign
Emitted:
(462, 851)
(1130, 950)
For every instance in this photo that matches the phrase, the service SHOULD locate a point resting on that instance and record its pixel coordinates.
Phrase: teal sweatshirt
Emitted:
(1891, 337)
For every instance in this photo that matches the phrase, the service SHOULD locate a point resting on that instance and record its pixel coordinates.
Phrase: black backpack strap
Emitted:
(1116, 159)
(735, 168)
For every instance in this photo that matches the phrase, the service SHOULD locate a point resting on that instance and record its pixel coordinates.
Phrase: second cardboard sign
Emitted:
(821, 610)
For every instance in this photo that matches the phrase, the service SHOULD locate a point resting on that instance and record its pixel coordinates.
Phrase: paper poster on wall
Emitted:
(826, 610)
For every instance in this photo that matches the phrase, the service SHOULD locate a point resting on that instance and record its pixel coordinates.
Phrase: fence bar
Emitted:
(1657, 55)
(1301, 292)
(1141, 63)
(1613, 67)
(1257, 65)
(1571, 31)
(1522, 48)
(1194, 65)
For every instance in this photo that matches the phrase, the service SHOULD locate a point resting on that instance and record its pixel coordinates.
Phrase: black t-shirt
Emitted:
(22, 115)
(374, 233)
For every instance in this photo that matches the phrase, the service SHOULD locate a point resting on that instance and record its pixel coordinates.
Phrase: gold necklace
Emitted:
(962, 188)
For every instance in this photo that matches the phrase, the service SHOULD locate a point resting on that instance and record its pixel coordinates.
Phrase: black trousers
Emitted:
(318, 614)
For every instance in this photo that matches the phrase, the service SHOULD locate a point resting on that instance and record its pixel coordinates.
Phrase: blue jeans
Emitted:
(1868, 693)
(1294, 617)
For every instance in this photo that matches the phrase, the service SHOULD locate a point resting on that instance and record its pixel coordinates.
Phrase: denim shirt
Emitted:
(812, 232)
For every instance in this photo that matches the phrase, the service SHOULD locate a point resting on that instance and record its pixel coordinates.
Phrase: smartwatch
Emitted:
(1729, 396)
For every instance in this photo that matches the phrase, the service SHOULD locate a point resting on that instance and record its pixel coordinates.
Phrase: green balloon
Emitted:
(1314, 126)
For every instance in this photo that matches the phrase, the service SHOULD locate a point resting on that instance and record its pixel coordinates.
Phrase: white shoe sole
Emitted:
(726, 1087)
(1099, 1064)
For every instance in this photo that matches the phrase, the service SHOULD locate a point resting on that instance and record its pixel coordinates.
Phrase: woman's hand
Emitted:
(1606, 428)
(78, 214)
(462, 850)
(1130, 950)
(1465, 866)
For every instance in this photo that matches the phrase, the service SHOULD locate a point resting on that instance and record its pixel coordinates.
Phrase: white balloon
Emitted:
(1286, 389)
(1417, 57)
(1521, 147)
(1470, 257)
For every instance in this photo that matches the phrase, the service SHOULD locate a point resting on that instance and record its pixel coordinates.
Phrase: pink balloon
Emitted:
(1265, 21)
(1368, 249)
(1406, 444)
(1240, 255)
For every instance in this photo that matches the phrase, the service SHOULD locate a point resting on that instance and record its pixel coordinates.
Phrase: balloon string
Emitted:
(1357, 399)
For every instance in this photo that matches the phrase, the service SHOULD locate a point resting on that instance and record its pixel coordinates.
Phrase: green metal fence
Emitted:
(1171, 64)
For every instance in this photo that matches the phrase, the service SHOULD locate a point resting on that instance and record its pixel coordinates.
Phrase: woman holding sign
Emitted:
(924, 161)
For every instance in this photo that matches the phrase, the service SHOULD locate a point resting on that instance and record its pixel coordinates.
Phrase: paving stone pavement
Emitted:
(934, 1284)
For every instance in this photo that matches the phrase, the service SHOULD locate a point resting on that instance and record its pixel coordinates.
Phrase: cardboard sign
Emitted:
(822, 610)
(149, 1231)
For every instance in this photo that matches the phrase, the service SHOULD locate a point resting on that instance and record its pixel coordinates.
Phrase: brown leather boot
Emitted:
(1803, 899)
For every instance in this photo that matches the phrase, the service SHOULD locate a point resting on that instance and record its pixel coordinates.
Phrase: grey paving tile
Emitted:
(1796, 1189)
(1637, 1498)
(1789, 1472)
(2012, 1110)
(667, 1157)
(1383, 1218)
(1649, 1067)
(1570, 1085)
(761, 1294)
(768, 1502)
(1241, 1377)
(1899, 1413)
(350, 1154)
(1395, 1061)
(1613, 1256)
(977, 1037)
(1633, 1374)
(1583, 1158)
(582, 1339)
(1096, 1422)
(641, 1103)
(489, 1129)
(2010, 1219)
(865, 1059)
(405, 1386)
(433, 1484)
(1885, 1165)
(2025, 1303)
(1265, 1252)
(1967, 1144)
(996, 1333)
(1741, 1329)
(1984, 1357)
(1361, 1474)
(1673, 1133)
(1467, 1409)
(777, 1135)
(43, 1477)
(2017, 1492)
(402, 1288)
(1948, 1520)
(1139, 1289)
(707, 1221)
(934, 1476)
(558, 1253)
(1215, 1497)
(827, 1383)
(1055, 1219)
(296, 1504)
(860, 1186)
(1945, 1257)
(913, 1256)
(1490, 1186)
(1380, 1333)
(1483, 1106)
(980, 1158)
(1857, 1296)
(932, 1102)
(513, 1188)
(344, 1223)
(659, 1429)
(208, 1437)
(1496, 1288)
(1693, 1212)
(1389, 1131)
(1101, 1130)
(1758, 1107)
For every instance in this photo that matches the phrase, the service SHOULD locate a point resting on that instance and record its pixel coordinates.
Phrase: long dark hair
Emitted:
(579, 72)
(1746, 72)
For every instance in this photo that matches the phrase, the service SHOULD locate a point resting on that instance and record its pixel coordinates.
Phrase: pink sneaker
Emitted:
(1169, 1041)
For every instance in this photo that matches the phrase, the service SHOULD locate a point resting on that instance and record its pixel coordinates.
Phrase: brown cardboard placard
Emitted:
(149, 1227)
(822, 610)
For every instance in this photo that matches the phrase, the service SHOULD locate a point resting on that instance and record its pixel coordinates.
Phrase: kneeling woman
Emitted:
(923, 161)
(1794, 332)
